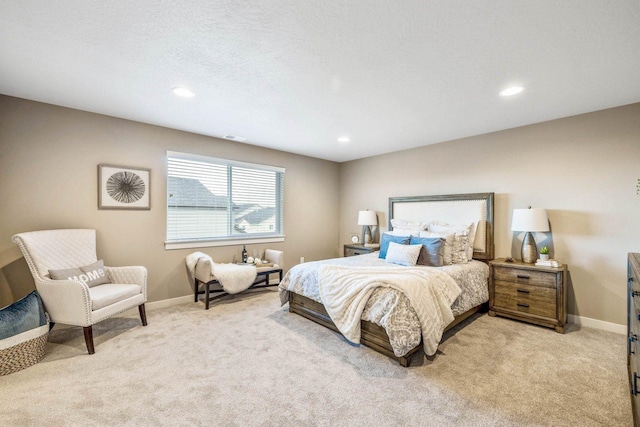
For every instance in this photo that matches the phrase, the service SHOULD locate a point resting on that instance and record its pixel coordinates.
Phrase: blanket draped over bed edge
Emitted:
(346, 290)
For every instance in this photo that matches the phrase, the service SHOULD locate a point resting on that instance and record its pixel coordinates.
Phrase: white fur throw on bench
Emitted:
(232, 277)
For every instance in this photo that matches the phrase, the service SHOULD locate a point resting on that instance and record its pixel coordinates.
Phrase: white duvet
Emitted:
(345, 291)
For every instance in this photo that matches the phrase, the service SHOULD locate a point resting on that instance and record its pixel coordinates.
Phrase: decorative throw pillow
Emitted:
(464, 235)
(407, 228)
(388, 238)
(432, 252)
(447, 255)
(23, 315)
(92, 274)
(403, 254)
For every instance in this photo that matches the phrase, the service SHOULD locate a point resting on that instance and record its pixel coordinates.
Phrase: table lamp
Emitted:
(529, 220)
(366, 219)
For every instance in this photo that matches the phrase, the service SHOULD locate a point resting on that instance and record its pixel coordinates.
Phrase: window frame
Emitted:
(226, 240)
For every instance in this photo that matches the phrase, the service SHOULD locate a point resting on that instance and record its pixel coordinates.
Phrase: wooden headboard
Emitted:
(453, 209)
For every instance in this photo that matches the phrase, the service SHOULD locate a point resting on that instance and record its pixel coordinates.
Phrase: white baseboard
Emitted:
(156, 305)
(598, 324)
(169, 302)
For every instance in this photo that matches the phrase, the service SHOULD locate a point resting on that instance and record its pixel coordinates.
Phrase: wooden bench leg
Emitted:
(206, 296)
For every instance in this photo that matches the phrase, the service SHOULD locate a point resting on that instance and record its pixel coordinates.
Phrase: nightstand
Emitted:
(529, 293)
(351, 250)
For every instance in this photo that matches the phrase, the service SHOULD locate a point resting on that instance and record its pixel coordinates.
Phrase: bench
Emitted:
(212, 290)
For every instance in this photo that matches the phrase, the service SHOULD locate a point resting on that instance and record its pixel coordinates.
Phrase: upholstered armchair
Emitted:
(82, 292)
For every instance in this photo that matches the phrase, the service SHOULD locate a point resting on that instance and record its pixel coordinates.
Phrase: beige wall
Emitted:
(48, 166)
(583, 169)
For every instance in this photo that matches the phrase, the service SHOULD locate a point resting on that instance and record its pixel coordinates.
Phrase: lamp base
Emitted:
(529, 249)
(366, 234)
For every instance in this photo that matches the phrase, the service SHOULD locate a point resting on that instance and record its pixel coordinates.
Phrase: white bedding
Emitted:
(389, 307)
(346, 290)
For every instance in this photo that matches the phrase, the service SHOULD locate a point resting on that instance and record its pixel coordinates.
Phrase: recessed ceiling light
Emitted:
(183, 92)
(513, 90)
(344, 139)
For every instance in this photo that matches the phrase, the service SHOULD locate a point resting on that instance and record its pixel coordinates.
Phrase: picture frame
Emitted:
(124, 187)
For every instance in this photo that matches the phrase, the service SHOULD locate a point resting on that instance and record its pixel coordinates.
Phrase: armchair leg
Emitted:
(88, 338)
(143, 314)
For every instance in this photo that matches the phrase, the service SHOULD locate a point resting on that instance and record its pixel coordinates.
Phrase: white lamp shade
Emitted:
(530, 220)
(367, 218)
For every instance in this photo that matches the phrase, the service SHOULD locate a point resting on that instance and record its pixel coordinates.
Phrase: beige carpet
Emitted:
(248, 362)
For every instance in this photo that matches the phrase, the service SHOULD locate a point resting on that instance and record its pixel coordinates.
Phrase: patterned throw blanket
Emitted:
(346, 290)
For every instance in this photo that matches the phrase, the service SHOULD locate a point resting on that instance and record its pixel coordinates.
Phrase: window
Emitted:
(214, 202)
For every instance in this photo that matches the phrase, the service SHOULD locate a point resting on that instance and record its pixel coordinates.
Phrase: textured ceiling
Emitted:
(296, 75)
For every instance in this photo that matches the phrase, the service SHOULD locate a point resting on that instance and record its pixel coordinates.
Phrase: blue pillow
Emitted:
(432, 252)
(22, 316)
(386, 238)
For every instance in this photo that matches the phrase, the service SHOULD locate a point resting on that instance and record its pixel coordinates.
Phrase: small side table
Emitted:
(529, 293)
(352, 250)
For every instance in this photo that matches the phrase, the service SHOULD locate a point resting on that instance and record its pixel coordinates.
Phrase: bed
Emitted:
(388, 322)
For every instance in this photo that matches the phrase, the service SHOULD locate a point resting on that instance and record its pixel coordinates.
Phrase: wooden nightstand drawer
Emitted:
(353, 250)
(519, 275)
(536, 300)
(529, 293)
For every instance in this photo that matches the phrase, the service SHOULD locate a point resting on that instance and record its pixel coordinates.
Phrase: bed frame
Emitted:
(454, 208)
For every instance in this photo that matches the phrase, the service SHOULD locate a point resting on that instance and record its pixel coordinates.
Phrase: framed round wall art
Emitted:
(121, 187)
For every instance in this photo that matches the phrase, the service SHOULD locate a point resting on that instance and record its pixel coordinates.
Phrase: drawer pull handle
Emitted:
(523, 291)
(634, 390)
(635, 293)
(523, 305)
(633, 338)
(522, 276)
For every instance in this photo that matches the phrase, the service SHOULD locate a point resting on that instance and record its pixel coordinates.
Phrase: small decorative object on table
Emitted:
(544, 253)
(545, 261)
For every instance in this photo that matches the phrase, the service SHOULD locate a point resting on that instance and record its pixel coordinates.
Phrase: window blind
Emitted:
(211, 199)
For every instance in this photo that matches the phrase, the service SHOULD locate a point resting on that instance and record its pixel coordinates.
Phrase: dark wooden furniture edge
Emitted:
(633, 273)
(372, 335)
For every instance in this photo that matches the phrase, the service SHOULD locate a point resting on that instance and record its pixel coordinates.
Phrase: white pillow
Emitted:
(407, 228)
(403, 254)
(399, 232)
(464, 234)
